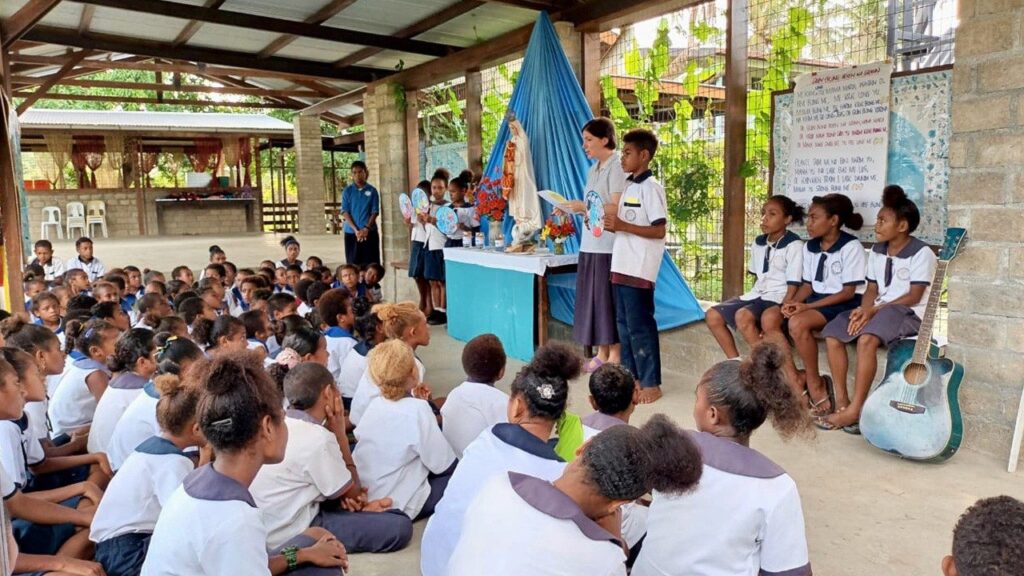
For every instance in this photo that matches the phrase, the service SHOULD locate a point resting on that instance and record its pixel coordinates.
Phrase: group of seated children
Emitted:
(827, 285)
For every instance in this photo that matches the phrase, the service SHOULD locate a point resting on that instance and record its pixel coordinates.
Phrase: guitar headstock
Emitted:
(956, 239)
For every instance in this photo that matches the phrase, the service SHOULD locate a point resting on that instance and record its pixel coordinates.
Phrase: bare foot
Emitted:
(845, 416)
(650, 395)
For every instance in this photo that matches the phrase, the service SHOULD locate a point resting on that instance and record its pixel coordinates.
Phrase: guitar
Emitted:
(915, 412)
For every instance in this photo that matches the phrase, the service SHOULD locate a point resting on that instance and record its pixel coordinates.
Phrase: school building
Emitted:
(424, 79)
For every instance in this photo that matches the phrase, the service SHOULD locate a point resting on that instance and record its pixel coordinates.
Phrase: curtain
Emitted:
(229, 145)
(115, 156)
(59, 146)
(245, 157)
(94, 160)
(88, 153)
(45, 163)
(78, 161)
(205, 154)
(174, 159)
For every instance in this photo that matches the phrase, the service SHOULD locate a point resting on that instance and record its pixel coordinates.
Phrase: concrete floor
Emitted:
(866, 512)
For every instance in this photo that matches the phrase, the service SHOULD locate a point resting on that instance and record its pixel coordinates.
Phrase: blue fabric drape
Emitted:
(548, 101)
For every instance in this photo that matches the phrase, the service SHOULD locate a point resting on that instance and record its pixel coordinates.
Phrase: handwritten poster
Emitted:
(840, 136)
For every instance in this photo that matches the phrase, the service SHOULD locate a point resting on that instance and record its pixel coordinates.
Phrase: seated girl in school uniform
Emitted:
(833, 264)
(302, 344)
(899, 274)
(40, 527)
(125, 519)
(370, 333)
(291, 254)
(175, 356)
(776, 259)
(522, 445)
(476, 405)
(224, 335)
(210, 525)
(335, 308)
(317, 483)
(135, 365)
(152, 307)
(74, 401)
(745, 517)
(112, 313)
(46, 307)
(402, 321)
(519, 524)
(257, 330)
(400, 451)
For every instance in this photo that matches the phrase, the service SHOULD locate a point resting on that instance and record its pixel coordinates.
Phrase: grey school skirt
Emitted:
(890, 325)
(594, 320)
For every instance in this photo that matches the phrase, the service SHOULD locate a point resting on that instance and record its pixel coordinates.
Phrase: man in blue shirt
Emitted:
(360, 206)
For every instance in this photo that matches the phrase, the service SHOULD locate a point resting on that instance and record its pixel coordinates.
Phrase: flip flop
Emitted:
(594, 364)
(823, 424)
(830, 395)
(852, 429)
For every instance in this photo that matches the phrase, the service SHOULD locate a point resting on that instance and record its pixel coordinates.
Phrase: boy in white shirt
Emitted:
(86, 261)
(317, 483)
(476, 405)
(639, 226)
(53, 267)
(335, 308)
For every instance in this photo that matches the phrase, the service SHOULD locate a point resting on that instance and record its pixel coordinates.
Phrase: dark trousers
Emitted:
(638, 333)
(386, 531)
(438, 484)
(365, 252)
(124, 554)
(303, 541)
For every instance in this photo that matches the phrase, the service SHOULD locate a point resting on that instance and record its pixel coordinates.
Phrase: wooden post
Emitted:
(11, 211)
(257, 158)
(412, 137)
(140, 194)
(733, 240)
(474, 122)
(591, 76)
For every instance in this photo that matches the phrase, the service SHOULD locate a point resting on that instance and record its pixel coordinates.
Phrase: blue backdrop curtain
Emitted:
(548, 101)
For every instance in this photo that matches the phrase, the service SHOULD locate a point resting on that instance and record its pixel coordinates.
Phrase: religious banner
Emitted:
(840, 136)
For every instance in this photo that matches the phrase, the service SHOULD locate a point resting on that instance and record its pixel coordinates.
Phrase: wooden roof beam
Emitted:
(40, 92)
(267, 24)
(193, 26)
(127, 45)
(25, 82)
(176, 102)
(332, 9)
(13, 28)
(330, 117)
(350, 97)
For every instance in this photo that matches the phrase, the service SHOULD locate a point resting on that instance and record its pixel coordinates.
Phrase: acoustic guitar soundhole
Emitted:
(915, 374)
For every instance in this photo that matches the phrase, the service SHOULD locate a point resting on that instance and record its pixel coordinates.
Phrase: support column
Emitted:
(733, 239)
(986, 196)
(592, 71)
(309, 174)
(11, 213)
(474, 119)
(572, 43)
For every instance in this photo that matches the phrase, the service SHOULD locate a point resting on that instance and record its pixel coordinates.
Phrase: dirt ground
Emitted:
(867, 513)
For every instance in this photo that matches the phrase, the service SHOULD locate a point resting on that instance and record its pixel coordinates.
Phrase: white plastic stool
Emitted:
(96, 214)
(76, 218)
(51, 217)
(1018, 431)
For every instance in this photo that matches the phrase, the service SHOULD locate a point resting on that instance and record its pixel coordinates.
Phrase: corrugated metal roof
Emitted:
(111, 120)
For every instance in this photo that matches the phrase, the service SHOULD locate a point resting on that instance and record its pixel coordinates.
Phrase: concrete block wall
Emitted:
(986, 318)
(309, 174)
(122, 214)
(210, 220)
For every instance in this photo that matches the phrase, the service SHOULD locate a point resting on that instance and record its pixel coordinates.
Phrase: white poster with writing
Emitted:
(840, 137)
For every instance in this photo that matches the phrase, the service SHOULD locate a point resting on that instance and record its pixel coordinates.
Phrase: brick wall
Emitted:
(309, 174)
(122, 215)
(206, 220)
(986, 320)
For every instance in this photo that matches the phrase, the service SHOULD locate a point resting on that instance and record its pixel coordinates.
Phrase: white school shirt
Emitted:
(634, 516)
(605, 180)
(339, 343)
(37, 425)
(136, 425)
(284, 263)
(419, 231)
(777, 266)
(470, 409)
(121, 391)
(210, 526)
(140, 489)
(398, 444)
(51, 270)
(523, 525)
(73, 405)
(352, 369)
(467, 217)
(7, 487)
(93, 268)
(843, 264)
(915, 264)
(367, 391)
(643, 204)
(289, 494)
(500, 449)
(12, 453)
(435, 238)
(743, 519)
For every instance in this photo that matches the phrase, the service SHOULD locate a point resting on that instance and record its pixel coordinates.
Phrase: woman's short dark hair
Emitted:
(602, 128)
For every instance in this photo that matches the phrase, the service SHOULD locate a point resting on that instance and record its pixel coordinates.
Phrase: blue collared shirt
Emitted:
(360, 204)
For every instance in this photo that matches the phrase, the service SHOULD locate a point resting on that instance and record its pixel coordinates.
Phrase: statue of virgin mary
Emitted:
(523, 201)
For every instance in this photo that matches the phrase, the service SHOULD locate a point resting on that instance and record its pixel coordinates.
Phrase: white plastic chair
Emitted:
(51, 217)
(76, 218)
(96, 213)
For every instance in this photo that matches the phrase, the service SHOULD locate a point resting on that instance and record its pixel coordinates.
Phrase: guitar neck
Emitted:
(924, 335)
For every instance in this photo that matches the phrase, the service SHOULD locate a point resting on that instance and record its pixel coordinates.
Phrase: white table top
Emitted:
(536, 263)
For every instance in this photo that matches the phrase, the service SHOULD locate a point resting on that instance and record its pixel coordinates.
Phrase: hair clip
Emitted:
(546, 391)
(160, 351)
(88, 333)
(225, 423)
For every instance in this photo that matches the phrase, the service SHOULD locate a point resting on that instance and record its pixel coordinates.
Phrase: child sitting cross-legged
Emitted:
(476, 405)
(370, 333)
(134, 363)
(317, 483)
(335, 308)
(123, 524)
(74, 402)
(400, 451)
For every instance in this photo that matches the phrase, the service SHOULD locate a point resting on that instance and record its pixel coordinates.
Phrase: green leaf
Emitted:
(691, 81)
(747, 169)
(634, 61)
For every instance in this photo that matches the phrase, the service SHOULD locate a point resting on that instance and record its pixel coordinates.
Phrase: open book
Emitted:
(554, 198)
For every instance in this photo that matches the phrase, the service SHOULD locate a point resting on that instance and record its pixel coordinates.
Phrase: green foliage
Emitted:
(494, 104)
(443, 118)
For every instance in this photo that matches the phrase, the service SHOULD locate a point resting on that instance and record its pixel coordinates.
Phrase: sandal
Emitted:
(824, 424)
(830, 396)
(852, 429)
(593, 365)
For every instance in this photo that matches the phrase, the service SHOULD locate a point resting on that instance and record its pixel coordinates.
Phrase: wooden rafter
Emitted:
(174, 101)
(128, 45)
(193, 26)
(13, 28)
(86, 20)
(332, 9)
(40, 92)
(538, 5)
(350, 97)
(415, 29)
(78, 72)
(241, 83)
(25, 82)
(281, 26)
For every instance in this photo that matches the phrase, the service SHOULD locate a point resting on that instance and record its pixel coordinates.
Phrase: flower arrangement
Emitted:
(557, 228)
(490, 202)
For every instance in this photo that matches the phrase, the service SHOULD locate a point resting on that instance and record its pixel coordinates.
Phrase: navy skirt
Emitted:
(890, 325)
(416, 260)
(830, 312)
(44, 539)
(123, 555)
(729, 308)
(433, 265)
(593, 321)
